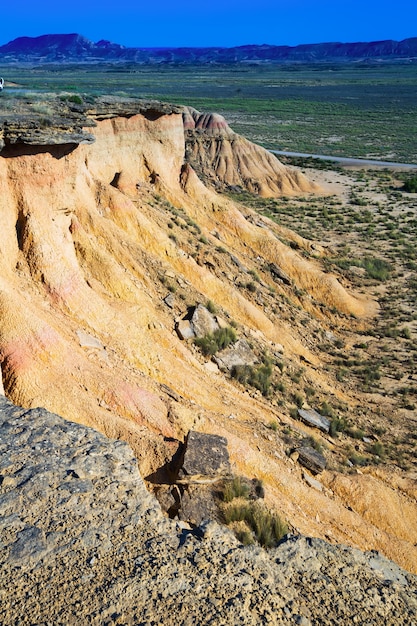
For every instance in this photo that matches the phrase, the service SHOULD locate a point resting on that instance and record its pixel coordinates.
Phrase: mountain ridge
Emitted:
(75, 48)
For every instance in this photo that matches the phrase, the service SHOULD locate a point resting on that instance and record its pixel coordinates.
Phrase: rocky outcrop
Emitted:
(84, 541)
(65, 122)
(228, 160)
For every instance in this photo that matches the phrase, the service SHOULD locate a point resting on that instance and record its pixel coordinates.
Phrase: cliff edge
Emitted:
(83, 541)
(107, 248)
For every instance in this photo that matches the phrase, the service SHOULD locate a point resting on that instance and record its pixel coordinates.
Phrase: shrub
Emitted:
(410, 185)
(377, 268)
(219, 340)
(254, 275)
(313, 443)
(355, 433)
(337, 425)
(74, 99)
(378, 449)
(235, 488)
(358, 459)
(406, 332)
(267, 528)
(326, 410)
(298, 399)
(211, 307)
(258, 377)
(245, 536)
(237, 513)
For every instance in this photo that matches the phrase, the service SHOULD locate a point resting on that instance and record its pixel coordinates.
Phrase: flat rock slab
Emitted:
(313, 418)
(205, 455)
(239, 354)
(278, 273)
(198, 505)
(311, 459)
(312, 482)
(184, 329)
(88, 341)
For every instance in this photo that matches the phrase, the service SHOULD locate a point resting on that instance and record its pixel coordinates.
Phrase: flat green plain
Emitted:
(343, 110)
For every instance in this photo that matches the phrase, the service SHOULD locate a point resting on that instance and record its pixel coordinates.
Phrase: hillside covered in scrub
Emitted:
(148, 290)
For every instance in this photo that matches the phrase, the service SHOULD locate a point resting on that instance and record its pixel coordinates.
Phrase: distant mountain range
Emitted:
(73, 48)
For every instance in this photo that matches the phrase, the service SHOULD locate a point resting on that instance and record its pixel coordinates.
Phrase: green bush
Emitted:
(267, 528)
(258, 377)
(219, 340)
(326, 410)
(377, 268)
(358, 459)
(355, 433)
(337, 425)
(410, 185)
(235, 488)
(74, 98)
(378, 449)
(211, 307)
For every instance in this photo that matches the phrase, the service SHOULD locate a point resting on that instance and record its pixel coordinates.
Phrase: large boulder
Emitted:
(206, 457)
(203, 322)
(198, 505)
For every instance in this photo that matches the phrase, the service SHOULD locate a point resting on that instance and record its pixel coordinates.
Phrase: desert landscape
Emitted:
(169, 283)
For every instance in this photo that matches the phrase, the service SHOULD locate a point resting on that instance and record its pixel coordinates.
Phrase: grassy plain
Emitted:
(347, 110)
(368, 228)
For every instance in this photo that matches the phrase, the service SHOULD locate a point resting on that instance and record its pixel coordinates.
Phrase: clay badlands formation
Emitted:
(113, 229)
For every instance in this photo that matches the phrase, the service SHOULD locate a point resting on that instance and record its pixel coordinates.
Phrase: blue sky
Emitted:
(213, 22)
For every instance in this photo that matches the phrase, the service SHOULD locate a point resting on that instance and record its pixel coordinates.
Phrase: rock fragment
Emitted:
(206, 456)
(203, 322)
(311, 459)
(313, 418)
(238, 354)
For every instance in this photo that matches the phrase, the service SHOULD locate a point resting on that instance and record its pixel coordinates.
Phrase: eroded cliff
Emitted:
(95, 236)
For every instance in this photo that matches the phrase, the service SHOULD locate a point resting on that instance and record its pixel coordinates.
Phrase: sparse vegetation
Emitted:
(235, 488)
(368, 233)
(259, 524)
(219, 340)
(410, 185)
(255, 376)
(211, 307)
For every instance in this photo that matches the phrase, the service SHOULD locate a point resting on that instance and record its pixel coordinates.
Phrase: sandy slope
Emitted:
(83, 245)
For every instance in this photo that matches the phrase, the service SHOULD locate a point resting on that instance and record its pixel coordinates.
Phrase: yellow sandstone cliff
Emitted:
(86, 255)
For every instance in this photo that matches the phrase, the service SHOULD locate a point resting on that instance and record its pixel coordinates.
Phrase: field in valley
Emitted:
(348, 110)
